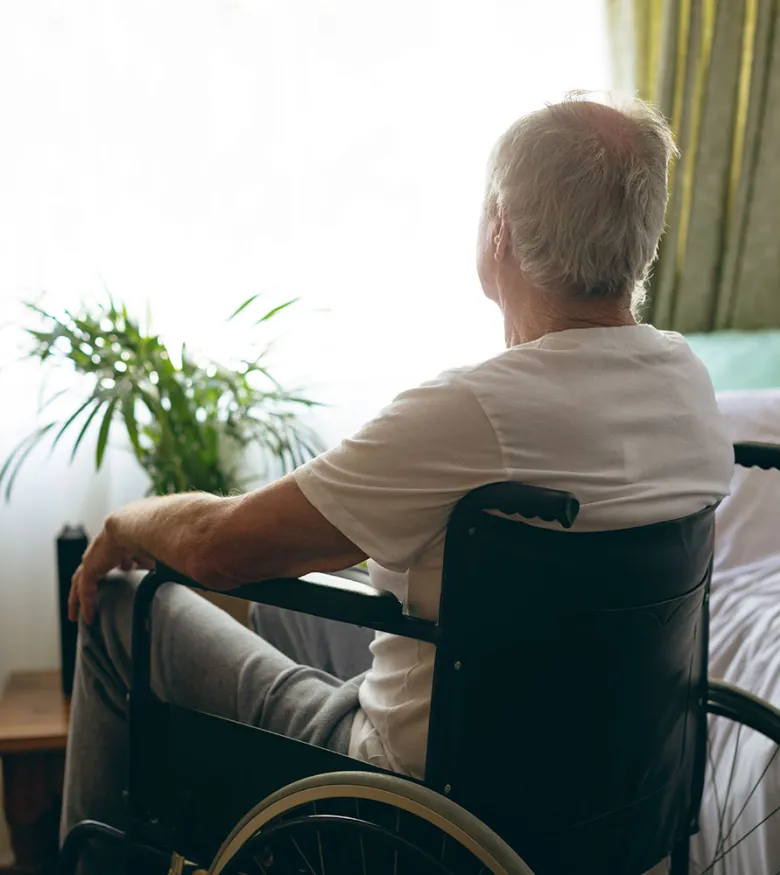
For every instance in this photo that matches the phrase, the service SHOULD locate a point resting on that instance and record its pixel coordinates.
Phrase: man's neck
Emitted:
(540, 314)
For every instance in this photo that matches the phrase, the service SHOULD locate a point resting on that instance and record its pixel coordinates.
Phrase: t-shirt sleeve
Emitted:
(390, 488)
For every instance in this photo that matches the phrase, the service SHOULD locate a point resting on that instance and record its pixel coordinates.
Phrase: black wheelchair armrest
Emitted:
(757, 455)
(323, 595)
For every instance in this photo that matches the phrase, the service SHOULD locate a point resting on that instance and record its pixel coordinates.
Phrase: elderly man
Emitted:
(582, 398)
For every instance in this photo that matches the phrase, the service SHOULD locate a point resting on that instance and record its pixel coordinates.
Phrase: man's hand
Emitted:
(220, 542)
(102, 556)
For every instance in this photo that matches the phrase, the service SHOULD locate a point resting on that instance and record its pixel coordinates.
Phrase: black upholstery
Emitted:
(567, 704)
(582, 657)
(200, 774)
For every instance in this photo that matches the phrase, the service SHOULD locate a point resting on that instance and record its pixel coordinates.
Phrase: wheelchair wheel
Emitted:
(363, 823)
(740, 812)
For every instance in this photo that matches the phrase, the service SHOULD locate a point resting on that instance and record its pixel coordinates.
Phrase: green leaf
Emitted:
(69, 421)
(243, 306)
(178, 451)
(108, 294)
(310, 445)
(267, 374)
(12, 455)
(272, 313)
(306, 402)
(128, 414)
(32, 441)
(30, 305)
(51, 399)
(105, 427)
(99, 403)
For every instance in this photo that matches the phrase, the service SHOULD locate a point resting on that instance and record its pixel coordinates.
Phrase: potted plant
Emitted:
(188, 420)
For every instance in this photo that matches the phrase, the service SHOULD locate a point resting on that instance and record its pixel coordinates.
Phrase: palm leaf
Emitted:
(31, 442)
(69, 421)
(128, 414)
(271, 313)
(12, 455)
(311, 445)
(38, 310)
(243, 306)
(105, 427)
(178, 451)
(100, 401)
(306, 402)
(42, 405)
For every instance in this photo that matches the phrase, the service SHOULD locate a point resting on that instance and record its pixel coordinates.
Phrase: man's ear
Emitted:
(500, 239)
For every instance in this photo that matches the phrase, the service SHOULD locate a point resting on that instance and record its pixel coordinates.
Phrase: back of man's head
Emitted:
(582, 189)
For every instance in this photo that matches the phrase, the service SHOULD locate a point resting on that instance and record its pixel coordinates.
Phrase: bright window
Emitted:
(192, 152)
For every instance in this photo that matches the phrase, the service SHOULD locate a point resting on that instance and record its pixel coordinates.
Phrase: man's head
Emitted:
(575, 203)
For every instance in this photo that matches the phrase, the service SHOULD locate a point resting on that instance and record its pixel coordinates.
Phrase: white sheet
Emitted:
(745, 638)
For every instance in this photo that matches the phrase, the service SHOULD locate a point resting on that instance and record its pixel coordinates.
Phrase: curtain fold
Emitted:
(713, 67)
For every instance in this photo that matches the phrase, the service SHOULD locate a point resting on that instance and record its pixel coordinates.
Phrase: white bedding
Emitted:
(745, 639)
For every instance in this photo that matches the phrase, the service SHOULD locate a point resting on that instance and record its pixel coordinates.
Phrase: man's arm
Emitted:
(220, 542)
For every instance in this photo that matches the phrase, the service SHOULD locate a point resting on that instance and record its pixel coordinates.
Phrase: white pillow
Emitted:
(747, 524)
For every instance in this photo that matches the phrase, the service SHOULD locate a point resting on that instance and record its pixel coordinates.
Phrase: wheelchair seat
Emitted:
(569, 702)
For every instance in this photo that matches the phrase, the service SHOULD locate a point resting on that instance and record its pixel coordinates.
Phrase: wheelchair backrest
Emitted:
(567, 709)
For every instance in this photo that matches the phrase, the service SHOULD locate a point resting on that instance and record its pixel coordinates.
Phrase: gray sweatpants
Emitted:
(338, 648)
(201, 659)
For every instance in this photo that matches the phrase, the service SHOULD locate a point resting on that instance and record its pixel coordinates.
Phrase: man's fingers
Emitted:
(102, 556)
(83, 592)
(87, 597)
(73, 600)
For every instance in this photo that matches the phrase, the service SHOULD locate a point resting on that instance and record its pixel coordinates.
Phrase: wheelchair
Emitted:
(568, 730)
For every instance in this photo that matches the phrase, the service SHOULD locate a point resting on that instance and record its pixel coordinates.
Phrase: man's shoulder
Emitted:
(513, 360)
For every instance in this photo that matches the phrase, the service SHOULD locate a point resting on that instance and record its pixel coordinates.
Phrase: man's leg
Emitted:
(201, 659)
(337, 648)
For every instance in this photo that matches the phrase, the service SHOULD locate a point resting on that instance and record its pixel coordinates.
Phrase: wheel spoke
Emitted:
(740, 840)
(360, 838)
(421, 861)
(259, 865)
(319, 843)
(721, 840)
(752, 792)
(718, 809)
(304, 857)
(398, 832)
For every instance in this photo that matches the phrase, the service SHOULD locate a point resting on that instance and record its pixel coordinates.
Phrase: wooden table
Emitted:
(33, 734)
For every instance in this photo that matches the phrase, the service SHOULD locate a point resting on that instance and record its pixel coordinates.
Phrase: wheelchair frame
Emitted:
(162, 818)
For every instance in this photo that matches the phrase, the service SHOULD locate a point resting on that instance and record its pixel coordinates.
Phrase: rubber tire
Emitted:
(726, 700)
(493, 852)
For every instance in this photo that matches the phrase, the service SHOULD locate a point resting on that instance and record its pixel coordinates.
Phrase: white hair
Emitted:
(582, 188)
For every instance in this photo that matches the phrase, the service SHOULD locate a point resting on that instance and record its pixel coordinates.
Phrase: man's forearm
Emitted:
(226, 542)
(174, 529)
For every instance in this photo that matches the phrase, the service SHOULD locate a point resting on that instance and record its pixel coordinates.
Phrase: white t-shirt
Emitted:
(625, 418)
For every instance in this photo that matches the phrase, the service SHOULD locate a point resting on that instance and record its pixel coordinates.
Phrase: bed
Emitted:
(745, 643)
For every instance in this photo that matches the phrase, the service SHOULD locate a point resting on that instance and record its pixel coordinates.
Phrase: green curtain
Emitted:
(713, 67)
